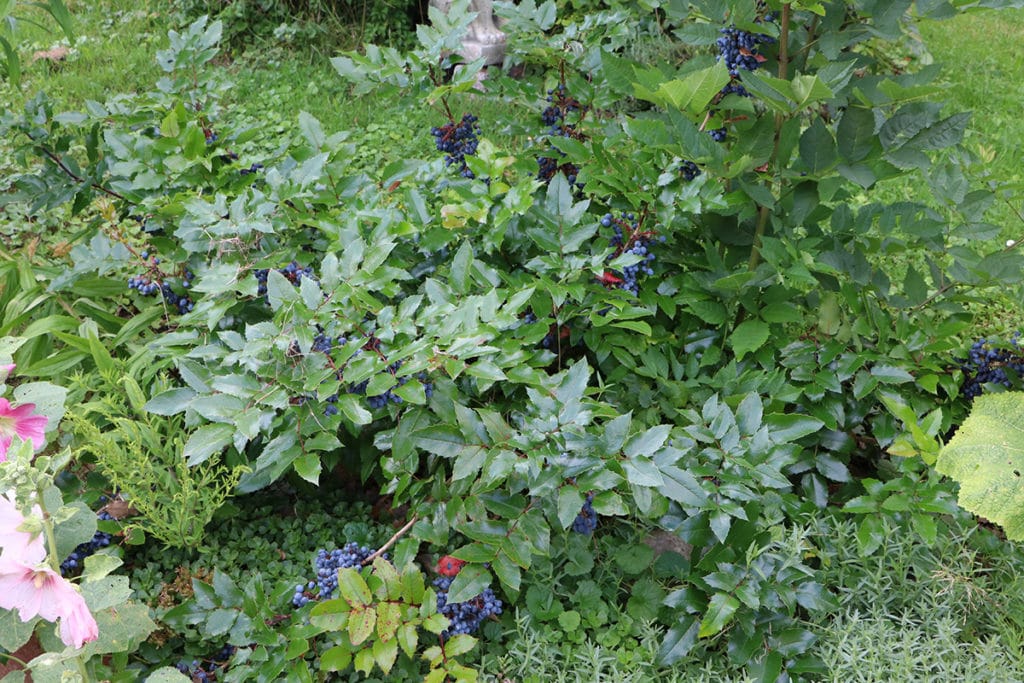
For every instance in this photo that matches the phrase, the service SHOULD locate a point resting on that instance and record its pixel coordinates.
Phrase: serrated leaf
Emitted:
(360, 623)
(206, 441)
(387, 573)
(166, 674)
(721, 609)
(470, 582)
(748, 337)
(353, 587)
(570, 500)
(384, 653)
(338, 658)
(855, 134)
(679, 641)
(790, 426)
(311, 129)
(818, 148)
(407, 639)
(648, 442)
(352, 408)
(986, 457)
(458, 645)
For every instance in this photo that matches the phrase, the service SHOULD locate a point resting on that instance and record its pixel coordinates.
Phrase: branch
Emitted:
(61, 165)
(391, 541)
(762, 217)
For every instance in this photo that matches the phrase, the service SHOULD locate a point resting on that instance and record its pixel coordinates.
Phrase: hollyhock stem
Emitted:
(51, 537)
(54, 559)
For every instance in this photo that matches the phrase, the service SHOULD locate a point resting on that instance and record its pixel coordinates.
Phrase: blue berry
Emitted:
(457, 141)
(586, 520)
(465, 617)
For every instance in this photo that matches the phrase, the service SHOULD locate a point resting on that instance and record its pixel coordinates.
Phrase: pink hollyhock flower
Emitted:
(30, 585)
(21, 422)
(12, 540)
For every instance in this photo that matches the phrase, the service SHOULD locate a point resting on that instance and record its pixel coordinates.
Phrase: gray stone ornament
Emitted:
(484, 38)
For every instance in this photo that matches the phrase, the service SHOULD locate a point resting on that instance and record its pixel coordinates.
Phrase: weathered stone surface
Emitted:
(484, 38)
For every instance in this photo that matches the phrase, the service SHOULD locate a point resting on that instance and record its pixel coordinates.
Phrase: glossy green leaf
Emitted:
(721, 609)
(353, 587)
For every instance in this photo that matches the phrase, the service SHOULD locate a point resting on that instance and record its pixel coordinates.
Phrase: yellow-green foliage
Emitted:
(141, 455)
(986, 456)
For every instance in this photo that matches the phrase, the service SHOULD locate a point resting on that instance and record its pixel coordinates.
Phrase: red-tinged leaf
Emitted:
(389, 616)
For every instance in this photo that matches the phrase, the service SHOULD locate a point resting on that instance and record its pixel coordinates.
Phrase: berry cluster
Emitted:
(562, 103)
(155, 281)
(293, 272)
(717, 134)
(739, 51)
(389, 396)
(100, 539)
(991, 363)
(586, 520)
(201, 672)
(465, 617)
(636, 242)
(689, 170)
(554, 331)
(457, 141)
(324, 343)
(327, 565)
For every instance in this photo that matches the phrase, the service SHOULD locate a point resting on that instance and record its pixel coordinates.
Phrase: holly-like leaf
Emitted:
(361, 623)
(748, 337)
(389, 616)
(986, 456)
(353, 587)
(470, 582)
(721, 609)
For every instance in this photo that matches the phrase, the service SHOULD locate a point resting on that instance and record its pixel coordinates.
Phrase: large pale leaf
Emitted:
(986, 456)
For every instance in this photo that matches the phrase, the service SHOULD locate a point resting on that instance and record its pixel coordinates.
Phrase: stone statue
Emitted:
(484, 38)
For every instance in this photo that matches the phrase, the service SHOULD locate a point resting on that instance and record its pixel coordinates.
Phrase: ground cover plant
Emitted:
(623, 363)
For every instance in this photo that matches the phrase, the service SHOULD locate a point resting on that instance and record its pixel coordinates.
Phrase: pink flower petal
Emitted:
(22, 546)
(77, 625)
(20, 412)
(18, 591)
(32, 428)
(23, 422)
(40, 591)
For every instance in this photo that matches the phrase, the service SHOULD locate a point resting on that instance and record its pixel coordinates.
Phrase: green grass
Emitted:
(982, 57)
(114, 52)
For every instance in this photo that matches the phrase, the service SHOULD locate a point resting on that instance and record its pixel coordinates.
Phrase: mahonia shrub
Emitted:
(675, 307)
